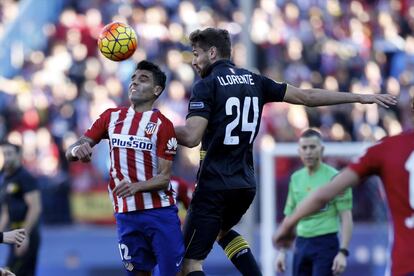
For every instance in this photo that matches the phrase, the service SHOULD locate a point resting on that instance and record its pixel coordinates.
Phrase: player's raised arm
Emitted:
(191, 133)
(318, 97)
(80, 150)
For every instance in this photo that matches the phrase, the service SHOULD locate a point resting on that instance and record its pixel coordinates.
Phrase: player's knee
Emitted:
(222, 234)
(191, 265)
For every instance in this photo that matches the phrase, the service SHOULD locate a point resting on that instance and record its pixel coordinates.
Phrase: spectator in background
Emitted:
(21, 208)
(317, 251)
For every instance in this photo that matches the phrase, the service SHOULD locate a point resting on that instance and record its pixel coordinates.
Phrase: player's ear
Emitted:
(157, 90)
(212, 52)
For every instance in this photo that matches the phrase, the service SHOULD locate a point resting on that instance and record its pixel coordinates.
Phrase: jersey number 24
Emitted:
(244, 110)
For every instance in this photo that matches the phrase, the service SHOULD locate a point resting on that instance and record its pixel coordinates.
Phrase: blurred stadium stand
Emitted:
(54, 83)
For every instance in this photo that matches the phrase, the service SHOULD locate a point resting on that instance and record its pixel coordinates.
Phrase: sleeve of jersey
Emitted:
(290, 201)
(166, 141)
(273, 91)
(344, 201)
(99, 128)
(201, 101)
(368, 163)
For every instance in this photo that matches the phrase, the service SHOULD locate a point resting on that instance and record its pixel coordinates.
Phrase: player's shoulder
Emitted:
(329, 168)
(400, 140)
(163, 118)
(111, 110)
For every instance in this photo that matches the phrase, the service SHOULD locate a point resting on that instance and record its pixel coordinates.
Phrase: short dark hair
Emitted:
(159, 76)
(310, 132)
(210, 37)
(9, 144)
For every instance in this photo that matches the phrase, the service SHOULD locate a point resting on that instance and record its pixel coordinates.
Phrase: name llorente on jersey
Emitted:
(235, 79)
(131, 142)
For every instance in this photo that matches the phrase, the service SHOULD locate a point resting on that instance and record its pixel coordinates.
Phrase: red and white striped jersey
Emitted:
(136, 140)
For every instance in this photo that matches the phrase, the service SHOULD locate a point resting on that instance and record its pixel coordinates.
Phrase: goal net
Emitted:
(369, 240)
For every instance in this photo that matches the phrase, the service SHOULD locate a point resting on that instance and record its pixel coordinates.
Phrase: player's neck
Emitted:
(142, 107)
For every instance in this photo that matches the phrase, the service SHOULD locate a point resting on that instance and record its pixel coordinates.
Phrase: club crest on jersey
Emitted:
(131, 142)
(172, 146)
(150, 128)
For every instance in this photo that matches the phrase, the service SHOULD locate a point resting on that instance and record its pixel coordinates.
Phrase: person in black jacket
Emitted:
(21, 208)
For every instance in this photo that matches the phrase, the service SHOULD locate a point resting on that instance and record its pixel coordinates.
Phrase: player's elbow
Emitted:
(189, 141)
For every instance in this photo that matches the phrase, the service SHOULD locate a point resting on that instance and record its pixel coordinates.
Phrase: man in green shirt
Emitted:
(317, 250)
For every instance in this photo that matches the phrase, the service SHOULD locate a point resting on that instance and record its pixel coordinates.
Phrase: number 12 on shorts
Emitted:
(124, 251)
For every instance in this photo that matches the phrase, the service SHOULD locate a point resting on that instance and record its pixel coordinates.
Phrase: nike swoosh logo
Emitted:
(179, 263)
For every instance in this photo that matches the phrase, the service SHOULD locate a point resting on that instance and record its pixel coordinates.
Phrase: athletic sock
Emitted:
(196, 273)
(238, 251)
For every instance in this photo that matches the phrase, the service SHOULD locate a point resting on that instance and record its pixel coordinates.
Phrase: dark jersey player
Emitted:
(392, 159)
(224, 114)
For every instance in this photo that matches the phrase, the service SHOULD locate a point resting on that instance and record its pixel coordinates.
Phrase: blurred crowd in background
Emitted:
(356, 46)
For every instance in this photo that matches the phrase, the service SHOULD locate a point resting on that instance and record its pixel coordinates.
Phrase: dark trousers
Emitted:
(314, 256)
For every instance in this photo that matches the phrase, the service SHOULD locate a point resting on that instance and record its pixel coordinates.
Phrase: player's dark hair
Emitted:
(159, 76)
(310, 132)
(17, 148)
(210, 37)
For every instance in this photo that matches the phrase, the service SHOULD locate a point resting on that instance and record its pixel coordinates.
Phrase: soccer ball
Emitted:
(117, 41)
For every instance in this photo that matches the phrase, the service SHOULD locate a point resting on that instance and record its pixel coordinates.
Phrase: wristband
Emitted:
(1, 237)
(72, 152)
(344, 251)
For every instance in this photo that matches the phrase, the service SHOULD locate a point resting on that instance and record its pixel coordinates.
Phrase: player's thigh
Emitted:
(237, 202)
(203, 223)
(167, 240)
(325, 248)
(302, 263)
(134, 247)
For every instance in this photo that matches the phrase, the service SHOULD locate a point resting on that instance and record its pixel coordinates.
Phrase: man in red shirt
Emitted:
(392, 159)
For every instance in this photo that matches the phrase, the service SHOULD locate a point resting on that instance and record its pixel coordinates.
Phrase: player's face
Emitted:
(310, 151)
(11, 158)
(201, 60)
(142, 87)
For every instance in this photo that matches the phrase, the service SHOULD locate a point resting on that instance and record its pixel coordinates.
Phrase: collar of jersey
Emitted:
(218, 63)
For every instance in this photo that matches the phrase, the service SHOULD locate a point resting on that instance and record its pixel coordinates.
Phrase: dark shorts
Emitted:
(314, 256)
(151, 237)
(210, 212)
(26, 264)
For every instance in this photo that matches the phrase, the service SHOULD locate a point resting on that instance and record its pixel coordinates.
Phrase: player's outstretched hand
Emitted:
(83, 152)
(285, 235)
(14, 237)
(5, 272)
(339, 264)
(125, 188)
(384, 100)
